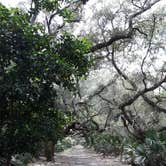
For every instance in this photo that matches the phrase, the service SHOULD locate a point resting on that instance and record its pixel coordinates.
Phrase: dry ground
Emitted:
(79, 156)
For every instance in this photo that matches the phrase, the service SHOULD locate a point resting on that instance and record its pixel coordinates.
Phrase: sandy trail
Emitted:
(79, 156)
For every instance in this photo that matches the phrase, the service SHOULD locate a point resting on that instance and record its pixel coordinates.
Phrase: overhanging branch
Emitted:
(126, 34)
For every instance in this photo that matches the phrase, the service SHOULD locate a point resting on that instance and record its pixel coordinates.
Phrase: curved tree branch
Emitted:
(153, 104)
(128, 33)
(140, 93)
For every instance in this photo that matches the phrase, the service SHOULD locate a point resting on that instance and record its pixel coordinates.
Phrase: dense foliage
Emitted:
(151, 152)
(32, 64)
(107, 143)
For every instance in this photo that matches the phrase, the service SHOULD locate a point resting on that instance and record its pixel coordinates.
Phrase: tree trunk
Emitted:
(49, 150)
(8, 160)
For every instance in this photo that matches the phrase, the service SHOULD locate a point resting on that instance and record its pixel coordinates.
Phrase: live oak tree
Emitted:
(129, 98)
(128, 40)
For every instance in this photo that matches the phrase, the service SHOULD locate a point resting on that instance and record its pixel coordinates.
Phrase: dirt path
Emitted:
(79, 156)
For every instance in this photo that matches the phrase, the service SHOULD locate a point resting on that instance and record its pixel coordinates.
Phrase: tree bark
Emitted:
(8, 160)
(49, 150)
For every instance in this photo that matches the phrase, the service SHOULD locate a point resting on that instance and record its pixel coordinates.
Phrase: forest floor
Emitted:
(80, 156)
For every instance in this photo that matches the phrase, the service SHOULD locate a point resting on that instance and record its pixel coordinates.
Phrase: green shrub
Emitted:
(150, 153)
(2, 161)
(106, 143)
(64, 144)
(21, 159)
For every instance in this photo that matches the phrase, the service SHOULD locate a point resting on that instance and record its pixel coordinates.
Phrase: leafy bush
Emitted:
(106, 143)
(21, 159)
(64, 144)
(2, 161)
(150, 153)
